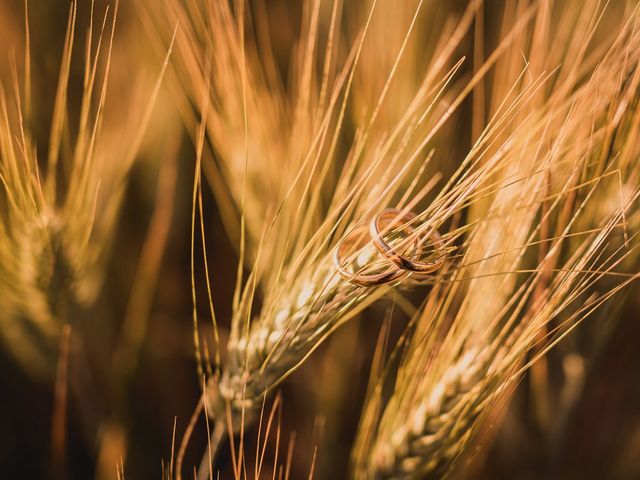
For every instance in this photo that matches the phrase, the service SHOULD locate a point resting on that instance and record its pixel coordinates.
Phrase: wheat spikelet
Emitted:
(282, 143)
(472, 337)
(432, 429)
(58, 221)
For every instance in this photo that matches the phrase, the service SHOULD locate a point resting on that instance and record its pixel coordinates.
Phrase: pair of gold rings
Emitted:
(401, 264)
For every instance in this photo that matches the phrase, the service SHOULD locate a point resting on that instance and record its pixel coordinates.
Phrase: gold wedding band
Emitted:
(393, 218)
(362, 280)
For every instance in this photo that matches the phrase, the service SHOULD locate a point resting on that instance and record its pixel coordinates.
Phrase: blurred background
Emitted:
(592, 430)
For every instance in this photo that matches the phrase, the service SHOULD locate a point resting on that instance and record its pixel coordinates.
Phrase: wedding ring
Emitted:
(393, 218)
(352, 243)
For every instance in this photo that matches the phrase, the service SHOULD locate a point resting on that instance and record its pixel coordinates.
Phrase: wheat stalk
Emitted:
(471, 339)
(423, 436)
(58, 221)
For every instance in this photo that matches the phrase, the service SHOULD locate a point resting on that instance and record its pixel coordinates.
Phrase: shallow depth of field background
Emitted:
(322, 400)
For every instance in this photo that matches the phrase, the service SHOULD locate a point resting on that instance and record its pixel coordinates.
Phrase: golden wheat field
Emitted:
(328, 239)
